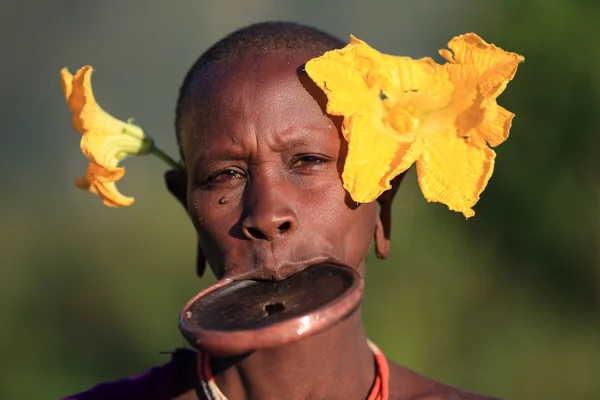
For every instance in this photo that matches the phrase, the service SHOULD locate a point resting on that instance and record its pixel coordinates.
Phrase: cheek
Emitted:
(349, 230)
(361, 231)
(214, 216)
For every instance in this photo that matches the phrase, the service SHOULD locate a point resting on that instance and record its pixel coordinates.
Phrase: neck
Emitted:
(334, 364)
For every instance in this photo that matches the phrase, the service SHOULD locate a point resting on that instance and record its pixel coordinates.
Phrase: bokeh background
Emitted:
(505, 303)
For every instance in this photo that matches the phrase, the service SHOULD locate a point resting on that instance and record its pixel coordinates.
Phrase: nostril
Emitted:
(284, 227)
(268, 230)
(257, 234)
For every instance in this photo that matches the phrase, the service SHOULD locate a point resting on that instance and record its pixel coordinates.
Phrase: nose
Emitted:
(269, 215)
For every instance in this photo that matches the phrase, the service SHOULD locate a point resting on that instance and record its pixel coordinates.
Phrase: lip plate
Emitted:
(224, 338)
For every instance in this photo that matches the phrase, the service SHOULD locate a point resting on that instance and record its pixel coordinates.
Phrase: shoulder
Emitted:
(174, 380)
(409, 385)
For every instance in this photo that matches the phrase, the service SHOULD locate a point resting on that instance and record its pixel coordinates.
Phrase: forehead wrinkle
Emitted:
(259, 95)
(225, 146)
(291, 121)
(297, 136)
(232, 151)
(222, 113)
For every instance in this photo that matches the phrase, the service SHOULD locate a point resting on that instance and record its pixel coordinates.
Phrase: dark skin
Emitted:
(256, 135)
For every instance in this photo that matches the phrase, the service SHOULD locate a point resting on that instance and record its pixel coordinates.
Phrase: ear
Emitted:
(383, 227)
(176, 182)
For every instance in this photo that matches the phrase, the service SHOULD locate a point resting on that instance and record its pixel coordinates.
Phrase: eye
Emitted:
(310, 161)
(225, 177)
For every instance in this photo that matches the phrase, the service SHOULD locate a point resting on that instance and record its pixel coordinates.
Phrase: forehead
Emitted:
(253, 89)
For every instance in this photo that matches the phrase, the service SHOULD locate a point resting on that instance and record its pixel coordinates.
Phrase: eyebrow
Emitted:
(288, 138)
(213, 157)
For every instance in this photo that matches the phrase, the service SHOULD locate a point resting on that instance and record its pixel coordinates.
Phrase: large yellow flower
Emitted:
(398, 111)
(106, 141)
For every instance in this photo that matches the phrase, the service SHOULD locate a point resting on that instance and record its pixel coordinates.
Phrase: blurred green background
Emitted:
(505, 303)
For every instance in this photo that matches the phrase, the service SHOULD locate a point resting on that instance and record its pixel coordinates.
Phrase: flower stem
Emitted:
(166, 158)
(148, 145)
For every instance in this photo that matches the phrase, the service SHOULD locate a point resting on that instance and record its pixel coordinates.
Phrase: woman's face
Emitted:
(264, 163)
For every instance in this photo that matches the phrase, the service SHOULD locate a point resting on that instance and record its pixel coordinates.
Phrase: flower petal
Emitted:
(109, 140)
(496, 123)
(80, 98)
(470, 49)
(375, 156)
(66, 81)
(494, 67)
(346, 90)
(83, 184)
(101, 181)
(111, 196)
(422, 84)
(480, 72)
(454, 171)
(373, 66)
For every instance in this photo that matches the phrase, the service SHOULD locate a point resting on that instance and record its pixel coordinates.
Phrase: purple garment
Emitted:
(165, 382)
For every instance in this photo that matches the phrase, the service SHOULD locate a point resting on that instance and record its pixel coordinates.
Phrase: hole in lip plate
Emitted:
(273, 308)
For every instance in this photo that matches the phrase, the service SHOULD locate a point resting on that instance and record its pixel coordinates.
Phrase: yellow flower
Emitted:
(106, 141)
(398, 111)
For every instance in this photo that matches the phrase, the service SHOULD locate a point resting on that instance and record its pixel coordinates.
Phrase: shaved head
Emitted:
(262, 38)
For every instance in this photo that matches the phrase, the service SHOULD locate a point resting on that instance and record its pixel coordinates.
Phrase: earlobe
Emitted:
(200, 260)
(382, 244)
(176, 182)
(383, 228)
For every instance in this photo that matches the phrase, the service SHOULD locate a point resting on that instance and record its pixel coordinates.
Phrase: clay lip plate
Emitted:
(236, 317)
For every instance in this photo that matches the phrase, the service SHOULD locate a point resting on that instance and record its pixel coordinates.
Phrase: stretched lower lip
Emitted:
(282, 271)
(236, 317)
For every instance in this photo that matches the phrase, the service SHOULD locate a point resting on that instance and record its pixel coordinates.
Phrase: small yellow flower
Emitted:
(398, 111)
(106, 141)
